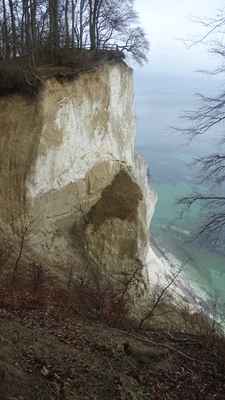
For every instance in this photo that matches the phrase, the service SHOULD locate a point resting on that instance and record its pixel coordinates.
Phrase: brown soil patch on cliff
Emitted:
(117, 203)
(20, 125)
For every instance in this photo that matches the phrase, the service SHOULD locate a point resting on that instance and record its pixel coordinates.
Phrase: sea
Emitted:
(161, 102)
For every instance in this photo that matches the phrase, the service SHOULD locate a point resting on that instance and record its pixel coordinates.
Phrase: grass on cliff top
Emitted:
(24, 76)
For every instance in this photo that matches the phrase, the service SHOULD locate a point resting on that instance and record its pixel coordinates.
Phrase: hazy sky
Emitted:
(164, 88)
(167, 21)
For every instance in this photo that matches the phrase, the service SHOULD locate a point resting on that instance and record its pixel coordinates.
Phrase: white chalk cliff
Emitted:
(68, 163)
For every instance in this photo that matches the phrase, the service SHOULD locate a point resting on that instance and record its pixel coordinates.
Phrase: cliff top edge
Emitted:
(25, 76)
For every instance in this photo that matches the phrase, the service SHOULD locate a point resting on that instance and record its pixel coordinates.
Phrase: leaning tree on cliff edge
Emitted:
(28, 26)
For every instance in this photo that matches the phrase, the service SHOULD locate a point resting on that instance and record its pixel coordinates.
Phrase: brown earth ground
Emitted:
(53, 350)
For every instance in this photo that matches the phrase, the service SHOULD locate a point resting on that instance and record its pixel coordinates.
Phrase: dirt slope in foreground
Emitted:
(47, 355)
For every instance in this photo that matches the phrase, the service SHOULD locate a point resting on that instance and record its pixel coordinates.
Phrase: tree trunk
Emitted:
(81, 22)
(94, 13)
(5, 32)
(33, 22)
(73, 22)
(67, 39)
(26, 27)
(54, 24)
(13, 27)
(91, 24)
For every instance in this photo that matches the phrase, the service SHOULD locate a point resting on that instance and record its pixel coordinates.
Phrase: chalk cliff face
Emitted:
(68, 165)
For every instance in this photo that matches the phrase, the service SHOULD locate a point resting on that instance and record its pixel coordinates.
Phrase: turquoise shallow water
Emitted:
(171, 179)
(160, 100)
(203, 266)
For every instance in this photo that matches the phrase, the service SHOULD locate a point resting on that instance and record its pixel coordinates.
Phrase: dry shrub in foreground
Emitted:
(104, 296)
(199, 323)
(34, 288)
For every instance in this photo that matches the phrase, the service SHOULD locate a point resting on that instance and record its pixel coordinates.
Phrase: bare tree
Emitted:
(13, 26)
(158, 296)
(208, 117)
(29, 25)
(5, 32)
(137, 45)
(116, 23)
